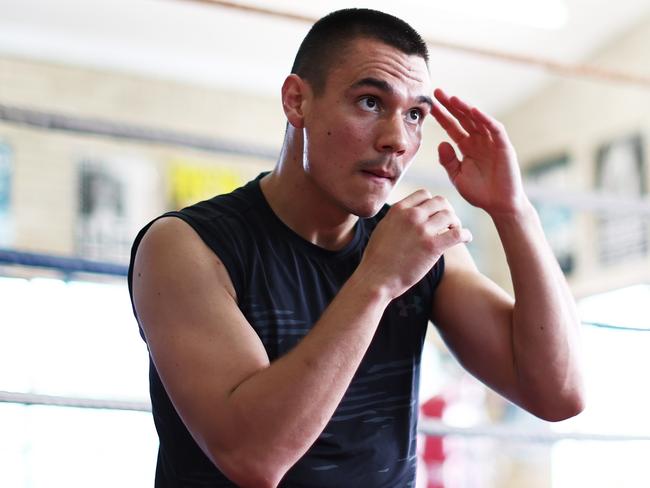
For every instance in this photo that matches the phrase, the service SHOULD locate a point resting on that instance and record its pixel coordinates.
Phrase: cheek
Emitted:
(336, 142)
(415, 142)
(343, 139)
(351, 137)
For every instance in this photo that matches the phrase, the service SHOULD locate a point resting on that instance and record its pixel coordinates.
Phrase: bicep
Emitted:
(200, 342)
(474, 317)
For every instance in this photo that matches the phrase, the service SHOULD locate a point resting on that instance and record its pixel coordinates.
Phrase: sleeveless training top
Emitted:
(283, 284)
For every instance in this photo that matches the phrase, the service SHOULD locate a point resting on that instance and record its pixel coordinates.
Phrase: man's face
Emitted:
(364, 130)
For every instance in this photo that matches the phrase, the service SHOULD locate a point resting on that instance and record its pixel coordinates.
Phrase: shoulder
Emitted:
(221, 228)
(168, 231)
(172, 248)
(234, 206)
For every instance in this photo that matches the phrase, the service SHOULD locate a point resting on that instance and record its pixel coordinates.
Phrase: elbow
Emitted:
(558, 409)
(573, 406)
(246, 470)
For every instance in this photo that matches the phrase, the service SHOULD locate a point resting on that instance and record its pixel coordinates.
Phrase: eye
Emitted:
(369, 104)
(414, 115)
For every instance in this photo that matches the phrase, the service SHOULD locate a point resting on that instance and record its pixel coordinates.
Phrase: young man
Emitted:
(285, 320)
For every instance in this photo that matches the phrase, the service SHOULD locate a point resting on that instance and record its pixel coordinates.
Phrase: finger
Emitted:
(454, 236)
(459, 109)
(443, 220)
(414, 199)
(494, 127)
(479, 123)
(435, 205)
(459, 104)
(448, 123)
(472, 113)
(448, 159)
(462, 112)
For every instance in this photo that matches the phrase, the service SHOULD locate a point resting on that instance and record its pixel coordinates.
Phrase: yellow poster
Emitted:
(193, 181)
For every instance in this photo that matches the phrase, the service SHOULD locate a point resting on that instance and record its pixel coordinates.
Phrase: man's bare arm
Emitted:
(252, 418)
(545, 322)
(527, 349)
(523, 349)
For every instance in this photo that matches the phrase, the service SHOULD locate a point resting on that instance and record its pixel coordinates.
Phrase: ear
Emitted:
(295, 95)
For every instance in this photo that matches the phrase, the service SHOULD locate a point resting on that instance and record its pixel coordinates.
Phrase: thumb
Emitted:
(448, 159)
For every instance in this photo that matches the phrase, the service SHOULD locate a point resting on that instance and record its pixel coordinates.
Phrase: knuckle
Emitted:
(413, 215)
(448, 218)
(441, 202)
(439, 199)
(455, 233)
(430, 234)
(396, 207)
(427, 232)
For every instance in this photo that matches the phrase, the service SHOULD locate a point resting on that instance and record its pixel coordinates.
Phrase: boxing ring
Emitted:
(71, 268)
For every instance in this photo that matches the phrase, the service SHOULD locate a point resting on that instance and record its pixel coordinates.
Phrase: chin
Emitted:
(364, 203)
(368, 210)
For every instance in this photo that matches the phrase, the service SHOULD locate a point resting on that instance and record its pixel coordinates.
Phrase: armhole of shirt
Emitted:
(228, 261)
(437, 272)
(223, 252)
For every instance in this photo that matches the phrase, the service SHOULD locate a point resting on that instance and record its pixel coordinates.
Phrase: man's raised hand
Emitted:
(487, 175)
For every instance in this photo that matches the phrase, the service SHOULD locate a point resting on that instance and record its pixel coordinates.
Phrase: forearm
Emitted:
(277, 414)
(544, 322)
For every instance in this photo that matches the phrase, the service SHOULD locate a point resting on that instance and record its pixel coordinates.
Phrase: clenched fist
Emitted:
(410, 239)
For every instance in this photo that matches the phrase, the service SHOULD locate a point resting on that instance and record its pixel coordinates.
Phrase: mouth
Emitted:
(379, 175)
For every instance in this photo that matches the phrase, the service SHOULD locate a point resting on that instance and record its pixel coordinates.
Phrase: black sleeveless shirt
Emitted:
(283, 284)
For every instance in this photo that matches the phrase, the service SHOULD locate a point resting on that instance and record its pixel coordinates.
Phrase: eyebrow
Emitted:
(386, 87)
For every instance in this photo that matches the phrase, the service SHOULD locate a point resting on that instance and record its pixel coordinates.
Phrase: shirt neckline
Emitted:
(276, 224)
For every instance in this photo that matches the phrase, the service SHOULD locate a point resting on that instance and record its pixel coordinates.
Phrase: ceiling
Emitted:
(199, 42)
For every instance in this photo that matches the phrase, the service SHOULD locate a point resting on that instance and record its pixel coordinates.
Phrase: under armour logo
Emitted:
(415, 305)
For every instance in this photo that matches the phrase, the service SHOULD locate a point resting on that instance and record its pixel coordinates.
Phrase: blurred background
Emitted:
(114, 112)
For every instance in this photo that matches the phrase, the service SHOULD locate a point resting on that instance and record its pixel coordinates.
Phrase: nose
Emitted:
(392, 137)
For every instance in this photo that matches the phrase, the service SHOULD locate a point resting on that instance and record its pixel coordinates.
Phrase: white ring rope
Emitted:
(428, 426)
(437, 428)
(63, 401)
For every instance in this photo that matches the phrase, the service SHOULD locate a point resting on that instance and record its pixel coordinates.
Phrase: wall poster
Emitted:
(191, 181)
(117, 197)
(558, 221)
(620, 171)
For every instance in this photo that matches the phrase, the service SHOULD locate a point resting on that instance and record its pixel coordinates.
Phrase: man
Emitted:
(285, 321)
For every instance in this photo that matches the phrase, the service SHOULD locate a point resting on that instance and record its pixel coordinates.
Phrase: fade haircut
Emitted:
(327, 39)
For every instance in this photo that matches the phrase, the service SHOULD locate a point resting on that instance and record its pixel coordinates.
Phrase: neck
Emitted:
(300, 204)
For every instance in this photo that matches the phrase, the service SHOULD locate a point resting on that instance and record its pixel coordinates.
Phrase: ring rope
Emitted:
(427, 426)
(64, 264)
(64, 401)
(437, 428)
(71, 265)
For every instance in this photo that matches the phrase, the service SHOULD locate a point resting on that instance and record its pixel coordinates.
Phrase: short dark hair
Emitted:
(328, 37)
